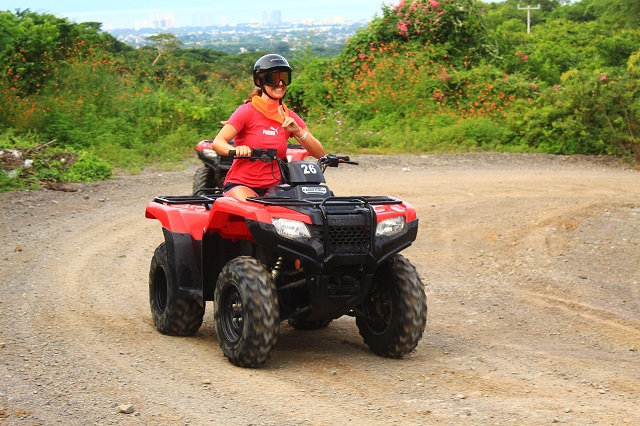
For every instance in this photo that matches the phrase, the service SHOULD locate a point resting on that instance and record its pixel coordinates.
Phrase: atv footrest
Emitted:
(206, 200)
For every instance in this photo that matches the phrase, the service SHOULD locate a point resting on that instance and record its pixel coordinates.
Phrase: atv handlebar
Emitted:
(333, 160)
(268, 155)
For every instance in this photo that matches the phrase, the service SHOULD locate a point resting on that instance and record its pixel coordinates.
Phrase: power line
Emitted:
(528, 9)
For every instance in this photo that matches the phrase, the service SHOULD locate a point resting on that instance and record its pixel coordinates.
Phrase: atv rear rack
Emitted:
(206, 200)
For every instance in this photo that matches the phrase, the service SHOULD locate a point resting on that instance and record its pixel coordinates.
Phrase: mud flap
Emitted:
(184, 256)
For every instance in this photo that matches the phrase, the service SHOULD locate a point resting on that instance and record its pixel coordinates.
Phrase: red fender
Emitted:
(227, 218)
(179, 218)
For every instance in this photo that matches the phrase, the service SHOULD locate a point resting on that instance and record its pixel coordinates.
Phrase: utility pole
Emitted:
(528, 9)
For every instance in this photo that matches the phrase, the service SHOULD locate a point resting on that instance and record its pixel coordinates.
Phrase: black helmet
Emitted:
(269, 62)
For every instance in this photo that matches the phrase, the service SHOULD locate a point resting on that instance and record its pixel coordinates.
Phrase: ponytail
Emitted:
(256, 92)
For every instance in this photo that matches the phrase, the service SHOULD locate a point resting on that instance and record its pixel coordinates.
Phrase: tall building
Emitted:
(271, 17)
(162, 21)
(276, 17)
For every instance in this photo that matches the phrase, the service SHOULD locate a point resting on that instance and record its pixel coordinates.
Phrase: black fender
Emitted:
(184, 253)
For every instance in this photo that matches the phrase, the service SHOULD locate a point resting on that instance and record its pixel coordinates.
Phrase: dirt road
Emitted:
(531, 270)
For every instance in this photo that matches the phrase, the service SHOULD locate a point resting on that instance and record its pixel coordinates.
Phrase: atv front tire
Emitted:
(246, 312)
(173, 315)
(206, 177)
(395, 310)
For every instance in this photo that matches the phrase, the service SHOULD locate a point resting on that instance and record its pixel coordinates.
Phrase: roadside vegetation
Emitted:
(424, 76)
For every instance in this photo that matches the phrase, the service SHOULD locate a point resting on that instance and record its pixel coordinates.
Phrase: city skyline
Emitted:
(120, 14)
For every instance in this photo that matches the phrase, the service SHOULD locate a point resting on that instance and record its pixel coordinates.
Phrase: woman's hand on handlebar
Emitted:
(242, 151)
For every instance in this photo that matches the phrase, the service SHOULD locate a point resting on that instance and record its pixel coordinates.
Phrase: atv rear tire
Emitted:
(308, 325)
(206, 177)
(246, 312)
(173, 315)
(395, 310)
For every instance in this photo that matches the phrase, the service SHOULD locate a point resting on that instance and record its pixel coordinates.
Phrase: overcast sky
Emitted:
(125, 13)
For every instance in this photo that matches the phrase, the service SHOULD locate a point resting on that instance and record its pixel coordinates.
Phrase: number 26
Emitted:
(309, 169)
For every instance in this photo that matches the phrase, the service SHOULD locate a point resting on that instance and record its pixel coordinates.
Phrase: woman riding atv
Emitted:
(263, 121)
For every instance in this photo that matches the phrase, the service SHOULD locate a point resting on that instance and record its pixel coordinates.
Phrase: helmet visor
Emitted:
(274, 78)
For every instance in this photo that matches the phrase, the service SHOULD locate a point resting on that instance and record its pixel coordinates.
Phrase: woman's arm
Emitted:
(221, 143)
(310, 143)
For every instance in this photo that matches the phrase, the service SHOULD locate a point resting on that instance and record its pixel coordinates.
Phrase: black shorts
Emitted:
(229, 186)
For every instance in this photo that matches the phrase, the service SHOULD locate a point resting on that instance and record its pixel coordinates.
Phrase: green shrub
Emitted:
(87, 168)
(591, 113)
(26, 162)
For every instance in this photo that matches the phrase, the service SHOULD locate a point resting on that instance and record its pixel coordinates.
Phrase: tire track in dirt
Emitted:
(618, 331)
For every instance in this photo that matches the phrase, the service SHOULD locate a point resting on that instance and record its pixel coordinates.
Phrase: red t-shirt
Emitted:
(257, 131)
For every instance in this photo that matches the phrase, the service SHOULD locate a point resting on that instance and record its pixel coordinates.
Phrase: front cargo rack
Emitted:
(208, 199)
(330, 201)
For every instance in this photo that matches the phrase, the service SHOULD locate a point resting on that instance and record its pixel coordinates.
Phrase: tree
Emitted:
(164, 43)
(455, 28)
(30, 42)
(9, 32)
(560, 46)
(497, 13)
(615, 13)
(619, 13)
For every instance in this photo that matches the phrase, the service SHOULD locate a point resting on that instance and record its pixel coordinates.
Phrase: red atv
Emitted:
(215, 167)
(300, 254)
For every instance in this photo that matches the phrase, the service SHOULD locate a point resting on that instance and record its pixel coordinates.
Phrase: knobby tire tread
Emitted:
(406, 327)
(260, 307)
(204, 177)
(180, 316)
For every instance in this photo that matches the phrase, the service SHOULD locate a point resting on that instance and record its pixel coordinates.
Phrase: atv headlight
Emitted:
(209, 153)
(391, 226)
(292, 229)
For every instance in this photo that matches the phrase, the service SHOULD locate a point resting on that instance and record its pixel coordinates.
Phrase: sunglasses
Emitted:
(275, 77)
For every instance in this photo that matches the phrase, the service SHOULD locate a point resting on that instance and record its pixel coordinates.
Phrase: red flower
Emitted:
(400, 5)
